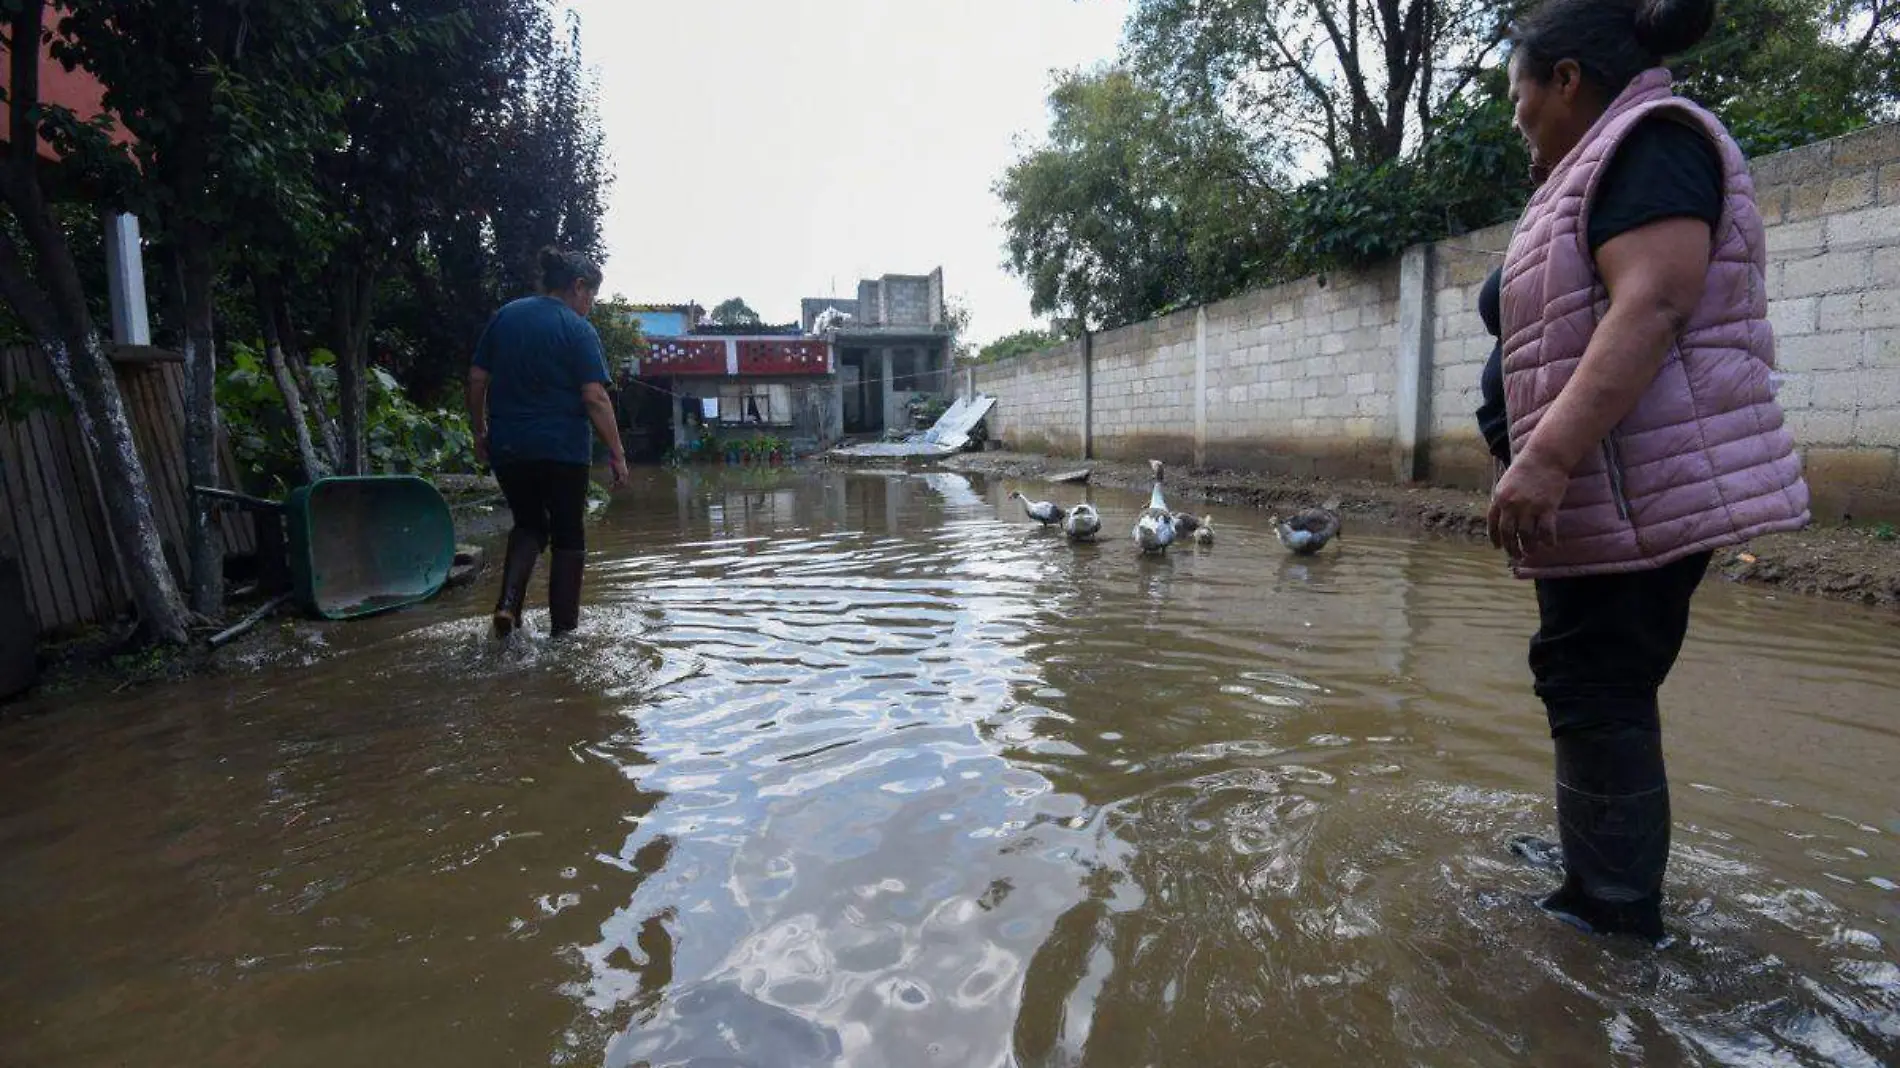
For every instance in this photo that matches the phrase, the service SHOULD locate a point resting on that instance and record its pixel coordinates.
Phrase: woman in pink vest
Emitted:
(1643, 434)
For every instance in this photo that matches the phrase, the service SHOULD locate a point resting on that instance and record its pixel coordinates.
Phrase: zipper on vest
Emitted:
(1613, 465)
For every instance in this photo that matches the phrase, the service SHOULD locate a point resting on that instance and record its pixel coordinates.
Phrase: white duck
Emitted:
(1048, 513)
(1154, 531)
(1082, 523)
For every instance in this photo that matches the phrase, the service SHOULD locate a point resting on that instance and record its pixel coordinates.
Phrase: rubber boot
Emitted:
(1613, 820)
(564, 590)
(524, 548)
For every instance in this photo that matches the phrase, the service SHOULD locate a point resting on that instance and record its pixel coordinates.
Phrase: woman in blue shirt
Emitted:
(538, 385)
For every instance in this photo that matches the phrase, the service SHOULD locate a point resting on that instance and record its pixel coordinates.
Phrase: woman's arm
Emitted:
(1655, 276)
(600, 411)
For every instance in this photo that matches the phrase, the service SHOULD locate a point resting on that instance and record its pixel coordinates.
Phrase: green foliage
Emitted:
(620, 335)
(1135, 205)
(1016, 344)
(1472, 175)
(403, 437)
(1178, 180)
(1885, 532)
(1353, 81)
(734, 312)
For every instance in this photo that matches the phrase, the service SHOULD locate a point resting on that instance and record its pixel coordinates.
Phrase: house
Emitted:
(668, 320)
(849, 366)
(894, 348)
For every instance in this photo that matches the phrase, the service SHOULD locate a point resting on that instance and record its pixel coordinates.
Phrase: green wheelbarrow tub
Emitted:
(363, 545)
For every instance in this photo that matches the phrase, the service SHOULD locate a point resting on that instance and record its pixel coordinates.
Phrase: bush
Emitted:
(402, 437)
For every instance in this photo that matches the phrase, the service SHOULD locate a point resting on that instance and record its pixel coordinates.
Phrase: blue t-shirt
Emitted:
(538, 355)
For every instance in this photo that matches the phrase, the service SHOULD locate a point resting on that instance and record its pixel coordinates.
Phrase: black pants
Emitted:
(1605, 643)
(548, 499)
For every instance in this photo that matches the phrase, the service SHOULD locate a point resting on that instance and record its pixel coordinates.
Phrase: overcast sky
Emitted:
(775, 149)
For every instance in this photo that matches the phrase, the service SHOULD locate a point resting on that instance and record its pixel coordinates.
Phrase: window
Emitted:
(758, 404)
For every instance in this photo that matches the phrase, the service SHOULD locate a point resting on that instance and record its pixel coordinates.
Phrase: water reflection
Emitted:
(868, 770)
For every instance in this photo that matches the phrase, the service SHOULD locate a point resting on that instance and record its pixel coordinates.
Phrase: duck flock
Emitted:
(1158, 526)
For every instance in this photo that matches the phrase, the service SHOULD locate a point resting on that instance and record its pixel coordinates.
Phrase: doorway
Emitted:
(861, 381)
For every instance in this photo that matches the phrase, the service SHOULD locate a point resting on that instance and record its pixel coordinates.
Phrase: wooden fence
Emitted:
(52, 526)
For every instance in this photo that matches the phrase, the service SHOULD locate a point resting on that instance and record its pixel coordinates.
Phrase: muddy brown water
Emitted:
(865, 770)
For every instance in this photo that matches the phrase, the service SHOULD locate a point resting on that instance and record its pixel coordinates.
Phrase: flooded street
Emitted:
(867, 770)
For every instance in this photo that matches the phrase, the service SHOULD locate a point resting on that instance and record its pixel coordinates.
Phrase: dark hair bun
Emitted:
(552, 259)
(1667, 27)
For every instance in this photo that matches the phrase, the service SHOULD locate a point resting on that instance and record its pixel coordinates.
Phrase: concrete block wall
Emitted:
(1144, 390)
(1301, 378)
(1460, 345)
(1039, 400)
(1320, 377)
(1833, 216)
(906, 300)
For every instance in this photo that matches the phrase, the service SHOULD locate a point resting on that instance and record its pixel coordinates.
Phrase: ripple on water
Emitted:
(864, 771)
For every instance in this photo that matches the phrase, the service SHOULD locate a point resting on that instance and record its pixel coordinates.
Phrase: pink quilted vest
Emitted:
(1704, 460)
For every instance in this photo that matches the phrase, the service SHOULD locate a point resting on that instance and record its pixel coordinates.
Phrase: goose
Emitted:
(1048, 513)
(1082, 523)
(1203, 531)
(1308, 532)
(1154, 531)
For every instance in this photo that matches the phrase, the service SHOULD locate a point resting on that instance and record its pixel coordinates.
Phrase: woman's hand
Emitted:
(1523, 512)
(617, 467)
(481, 449)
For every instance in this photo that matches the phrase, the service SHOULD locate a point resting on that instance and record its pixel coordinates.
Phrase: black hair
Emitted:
(1613, 41)
(560, 269)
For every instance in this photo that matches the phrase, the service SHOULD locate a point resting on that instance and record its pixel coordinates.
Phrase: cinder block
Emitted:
(1847, 390)
(1819, 426)
(1879, 308)
(1848, 192)
(1887, 185)
(1830, 272)
(1877, 427)
(1842, 311)
(1793, 317)
(1795, 239)
(1881, 352)
(1820, 352)
(1850, 467)
(1860, 227)
(1876, 144)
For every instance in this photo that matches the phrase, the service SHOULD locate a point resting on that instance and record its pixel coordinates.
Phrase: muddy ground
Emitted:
(1846, 563)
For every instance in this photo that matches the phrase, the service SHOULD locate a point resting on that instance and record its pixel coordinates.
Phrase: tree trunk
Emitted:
(300, 370)
(201, 423)
(55, 311)
(286, 382)
(349, 322)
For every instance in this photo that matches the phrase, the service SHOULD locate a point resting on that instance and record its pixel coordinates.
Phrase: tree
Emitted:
(42, 285)
(422, 145)
(227, 101)
(479, 245)
(1359, 80)
(1253, 141)
(1135, 205)
(734, 312)
(620, 335)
